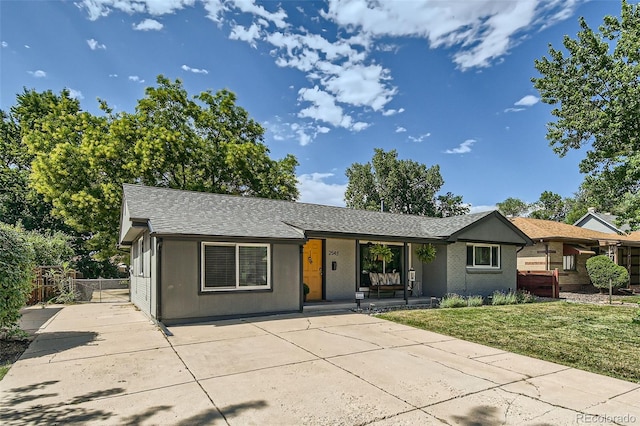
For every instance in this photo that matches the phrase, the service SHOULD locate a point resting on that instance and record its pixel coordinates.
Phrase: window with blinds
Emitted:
(235, 266)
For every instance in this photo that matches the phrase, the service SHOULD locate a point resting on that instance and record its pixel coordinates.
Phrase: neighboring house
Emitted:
(197, 256)
(628, 253)
(602, 222)
(567, 248)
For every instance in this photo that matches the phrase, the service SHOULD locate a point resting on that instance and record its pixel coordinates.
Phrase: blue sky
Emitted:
(442, 82)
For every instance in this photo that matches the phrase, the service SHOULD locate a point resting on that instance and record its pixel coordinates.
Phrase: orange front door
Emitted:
(312, 268)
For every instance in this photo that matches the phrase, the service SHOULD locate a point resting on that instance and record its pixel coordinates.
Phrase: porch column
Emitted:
(406, 272)
(357, 265)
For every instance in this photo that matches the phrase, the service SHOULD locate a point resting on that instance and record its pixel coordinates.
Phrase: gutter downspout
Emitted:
(301, 277)
(159, 280)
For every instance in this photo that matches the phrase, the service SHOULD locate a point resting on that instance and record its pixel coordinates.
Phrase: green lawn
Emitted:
(628, 299)
(4, 369)
(596, 338)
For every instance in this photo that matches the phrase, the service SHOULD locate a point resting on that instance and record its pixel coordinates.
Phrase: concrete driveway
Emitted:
(108, 364)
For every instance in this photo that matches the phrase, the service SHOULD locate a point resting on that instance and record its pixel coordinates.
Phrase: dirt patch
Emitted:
(595, 298)
(12, 350)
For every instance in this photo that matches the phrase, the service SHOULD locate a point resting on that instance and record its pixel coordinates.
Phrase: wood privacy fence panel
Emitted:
(540, 283)
(44, 286)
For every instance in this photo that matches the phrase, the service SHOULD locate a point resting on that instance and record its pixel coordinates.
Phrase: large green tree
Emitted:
(550, 206)
(399, 186)
(205, 143)
(20, 203)
(513, 207)
(594, 86)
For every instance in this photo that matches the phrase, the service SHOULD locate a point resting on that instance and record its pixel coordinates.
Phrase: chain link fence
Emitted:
(102, 290)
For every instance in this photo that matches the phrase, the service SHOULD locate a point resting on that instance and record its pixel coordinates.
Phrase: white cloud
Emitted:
(463, 148)
(113, 75)
(194, 70)
(250, 35)
(482, 31)
(94, 45)
(148, 25)
(345, 78)
(513, 109)
(323, 108)
(359, 126)
(75, 94)
(38, 73)
(391, 112)
(314, 189)
(99, 8)
(248, 6)
(361, 85)
(419, 138)
(400, 129)
(26, 46)
(528, 100)
(303, 133)
(136, 79)
(5, 44)
(480, 209)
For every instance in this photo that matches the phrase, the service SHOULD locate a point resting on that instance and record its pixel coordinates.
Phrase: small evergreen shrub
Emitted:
(475, 301)
(603, 270)
(453, 300)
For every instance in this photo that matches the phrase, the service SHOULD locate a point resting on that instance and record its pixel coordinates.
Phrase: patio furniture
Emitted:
(385, 282)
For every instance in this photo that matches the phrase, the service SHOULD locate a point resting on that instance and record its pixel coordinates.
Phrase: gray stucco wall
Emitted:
(341, 283)
(182, 301)
(417, 266)
(595, 225)
(434, 274)
(492, 229)
(480, 281)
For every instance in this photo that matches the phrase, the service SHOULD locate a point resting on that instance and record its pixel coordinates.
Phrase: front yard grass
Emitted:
(600, 339)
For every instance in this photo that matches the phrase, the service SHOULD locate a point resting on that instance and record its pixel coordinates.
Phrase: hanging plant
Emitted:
(381, 252)
(426, 253)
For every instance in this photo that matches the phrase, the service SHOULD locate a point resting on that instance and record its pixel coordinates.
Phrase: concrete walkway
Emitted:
(108, 364)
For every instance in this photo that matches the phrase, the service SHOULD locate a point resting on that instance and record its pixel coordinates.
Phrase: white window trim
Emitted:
(141, 266)
(490, 266)
(237, 286)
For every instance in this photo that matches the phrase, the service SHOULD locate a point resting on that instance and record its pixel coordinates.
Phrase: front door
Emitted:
(312, 268)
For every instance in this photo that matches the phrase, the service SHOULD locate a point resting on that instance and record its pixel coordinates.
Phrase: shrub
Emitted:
(523, 296)
(50, 249)
(475, 301)
(65, 289)
(453, 300)
(502, 298)
(16, 274)
(603, 270)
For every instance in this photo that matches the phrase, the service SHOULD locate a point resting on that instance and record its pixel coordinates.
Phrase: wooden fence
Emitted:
(44, 287)
(540, 283)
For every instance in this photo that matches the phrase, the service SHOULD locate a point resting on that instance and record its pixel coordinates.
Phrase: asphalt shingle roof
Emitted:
(547, 229)
(172, 212)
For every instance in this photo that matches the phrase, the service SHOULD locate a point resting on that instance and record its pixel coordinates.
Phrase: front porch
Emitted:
(367, 304)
